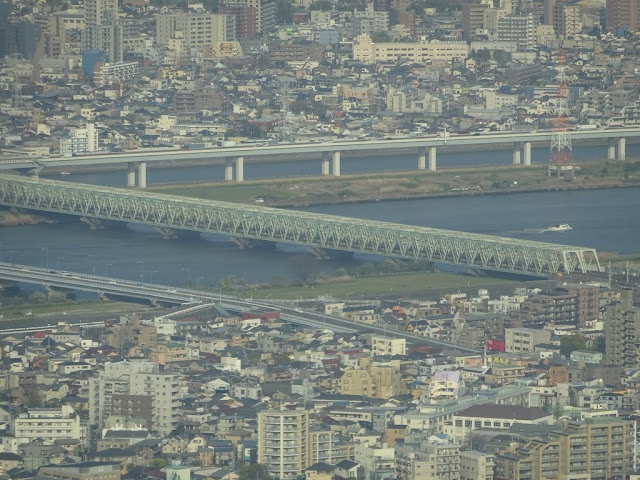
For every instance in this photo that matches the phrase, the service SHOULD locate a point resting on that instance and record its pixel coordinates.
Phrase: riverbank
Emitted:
(13, 218)
(389, 186)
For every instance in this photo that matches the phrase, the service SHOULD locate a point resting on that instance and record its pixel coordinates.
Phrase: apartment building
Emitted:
(473, 17)
(523, 340)
(567, 20)
(372, 381)
(79, 140)
(48, 424)
(623, 14)
(135, 389)
(365, 50)
(436, 459)
(600, 449)
(115, 73)
(517, 28)
(388, 346)
(622, 331)
(476, 465)
(197, 30)
(324, 446)
(283, 442)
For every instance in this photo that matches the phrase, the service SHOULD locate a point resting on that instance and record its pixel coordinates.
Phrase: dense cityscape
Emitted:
(511, 357)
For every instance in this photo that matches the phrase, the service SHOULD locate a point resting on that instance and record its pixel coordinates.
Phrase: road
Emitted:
(277, 152)
(162, 293)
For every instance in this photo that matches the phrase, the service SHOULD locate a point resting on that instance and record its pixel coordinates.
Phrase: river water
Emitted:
(607, 220)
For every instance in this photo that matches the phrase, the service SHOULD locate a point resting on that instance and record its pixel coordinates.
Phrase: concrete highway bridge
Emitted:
(481, 252)
(199, 298)
(426, 149)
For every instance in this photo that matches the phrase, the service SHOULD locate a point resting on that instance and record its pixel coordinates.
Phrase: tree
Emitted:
(285, 12)
(599, 345)
(570, 343)
(255, 471)
(324, 5)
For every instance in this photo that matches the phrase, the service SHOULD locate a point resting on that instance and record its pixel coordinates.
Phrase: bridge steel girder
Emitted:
(302, 228)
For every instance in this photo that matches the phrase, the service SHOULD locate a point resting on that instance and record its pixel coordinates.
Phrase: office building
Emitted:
(283, 438)
(622, 331)
(423, 53)
(623, 14)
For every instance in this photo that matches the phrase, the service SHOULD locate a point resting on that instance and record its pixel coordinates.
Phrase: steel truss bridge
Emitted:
(482, 252)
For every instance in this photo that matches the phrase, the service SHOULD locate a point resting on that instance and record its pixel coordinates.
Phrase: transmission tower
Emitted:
(561, 153)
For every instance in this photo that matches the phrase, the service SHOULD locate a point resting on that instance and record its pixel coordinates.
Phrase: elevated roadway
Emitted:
(234, 157)
(162, 293)
(482, 252)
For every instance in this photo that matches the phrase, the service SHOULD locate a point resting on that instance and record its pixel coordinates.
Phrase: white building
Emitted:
(48, 424)
(115, 73)
(365, 50)
(283, 442)
(79, 140)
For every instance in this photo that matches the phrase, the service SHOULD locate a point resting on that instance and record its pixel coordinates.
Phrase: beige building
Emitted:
(365, 50)
(283, 442)
(197, 31)
(82, 471)
(435, 460)
(48, 424)
(623, 13)
(372, 381)
(601, 449)
(476, 465)
(523, 340)
(388, 346)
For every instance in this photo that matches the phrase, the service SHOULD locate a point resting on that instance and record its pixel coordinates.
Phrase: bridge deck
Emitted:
(302, 228)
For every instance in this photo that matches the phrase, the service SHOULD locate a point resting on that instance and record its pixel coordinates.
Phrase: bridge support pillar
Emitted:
(325, 163)
(422, 158)
(516, 154)
(526, 151)
(622, 148)
(240, 169)
(142, 175)
(336, 164)
(228, 170)
(611, 150)
(432, 159)
(131, 174)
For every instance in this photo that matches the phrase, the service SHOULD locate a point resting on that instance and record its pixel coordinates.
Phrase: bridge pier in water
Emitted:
(526, 150)
(622, 147)
(228, 169)
(239, 169)
(141, 167)
(336, 164)
(422, 158)
(432, 159)
(516, 154)
(325, 163)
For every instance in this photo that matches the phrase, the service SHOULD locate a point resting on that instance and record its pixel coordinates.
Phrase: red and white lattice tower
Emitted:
(561, 153)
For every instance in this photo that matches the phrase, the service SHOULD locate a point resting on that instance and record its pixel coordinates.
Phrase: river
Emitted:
(607, 220)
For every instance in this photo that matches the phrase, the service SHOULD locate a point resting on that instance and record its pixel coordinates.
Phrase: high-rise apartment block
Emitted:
(567, 21)
(100, 31)
(519, 29)
(623, 14)
(135, 389)
(622, 331)
(283, 442)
